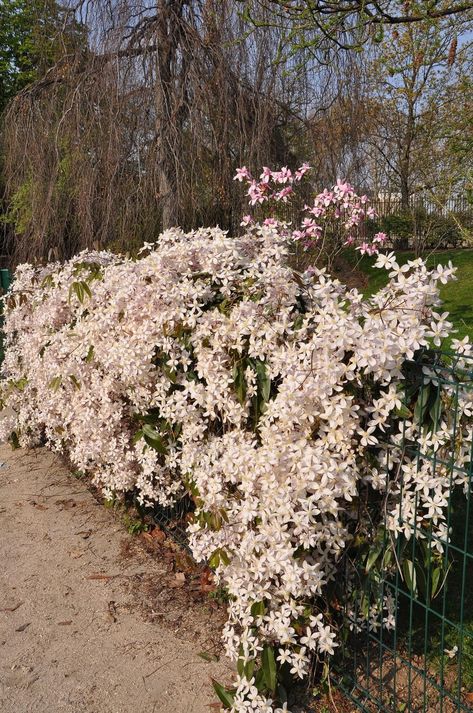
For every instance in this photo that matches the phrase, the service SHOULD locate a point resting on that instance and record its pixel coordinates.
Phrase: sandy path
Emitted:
(70, 641)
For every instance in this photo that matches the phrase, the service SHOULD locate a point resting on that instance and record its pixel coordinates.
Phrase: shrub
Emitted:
(208, 366)
(422, 231)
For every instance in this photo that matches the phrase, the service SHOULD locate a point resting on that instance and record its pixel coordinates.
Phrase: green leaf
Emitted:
(249, 669)
(263, 380)
(421, 405)
(218, 557)
(74, 381)
(240, 381)
(14, 441)
(214, 559)
(20, 383)
(76, 289)
(421, 578)
(436, 409)
(403, 412)
(410, 575)
(47, 281)
(387, 557)
(90, 354)
(137, 437)
(80, 289)
(55, 383)
(373, 555)
(258, 609)
(269, 668)
(154, 439)
(224, 557)
(260, 681)
(435, 583)
(86, 289)
(225, 695)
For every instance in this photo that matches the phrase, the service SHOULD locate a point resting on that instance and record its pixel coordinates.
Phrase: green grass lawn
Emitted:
(457, 295)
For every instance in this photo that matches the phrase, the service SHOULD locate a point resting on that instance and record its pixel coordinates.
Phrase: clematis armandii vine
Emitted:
(208, 366)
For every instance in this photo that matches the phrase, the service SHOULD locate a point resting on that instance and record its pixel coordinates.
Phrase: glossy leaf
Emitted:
(269, 668)
(225, 695)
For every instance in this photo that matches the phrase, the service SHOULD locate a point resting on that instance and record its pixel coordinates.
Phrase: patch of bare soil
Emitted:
(93, 620)
(349, 274)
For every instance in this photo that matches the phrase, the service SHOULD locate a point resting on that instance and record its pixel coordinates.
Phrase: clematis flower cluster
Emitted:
(335, 220)
(208, 366)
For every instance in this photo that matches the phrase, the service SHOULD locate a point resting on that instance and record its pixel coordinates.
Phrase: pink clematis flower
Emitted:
(380, 238)
(242, 174)
(301, 171)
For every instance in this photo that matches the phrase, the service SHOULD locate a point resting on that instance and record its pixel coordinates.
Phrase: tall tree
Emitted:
(413, 72)
(144, 129)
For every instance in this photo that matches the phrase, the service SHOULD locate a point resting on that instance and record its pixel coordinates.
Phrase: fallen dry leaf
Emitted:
(77, 553)
(85, 534)
(23, 626)
(210, 658)
(158, 534)
(101, 576)
(64, 623)
(66, 504)
(206, 581)
(179, 580)
(12, 608)
(38, 506)
(112, 611)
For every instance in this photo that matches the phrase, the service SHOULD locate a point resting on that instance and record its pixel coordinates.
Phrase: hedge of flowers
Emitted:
(207, 366)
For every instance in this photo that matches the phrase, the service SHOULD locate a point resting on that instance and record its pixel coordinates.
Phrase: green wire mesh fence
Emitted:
(425, 663)
(173, 520)
(5, 282)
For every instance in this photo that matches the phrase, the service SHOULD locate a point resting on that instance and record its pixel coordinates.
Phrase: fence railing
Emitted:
(438, 225)
(459, 205)
(424, 664)
(5, 282)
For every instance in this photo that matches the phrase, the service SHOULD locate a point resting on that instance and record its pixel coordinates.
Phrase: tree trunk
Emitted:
(167, 134)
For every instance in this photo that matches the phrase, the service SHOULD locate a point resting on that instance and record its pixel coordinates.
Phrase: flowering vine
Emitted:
(335, 219)
(209, 367)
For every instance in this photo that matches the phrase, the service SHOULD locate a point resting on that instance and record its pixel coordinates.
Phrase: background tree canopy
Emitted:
(125, 117)
(34, 34)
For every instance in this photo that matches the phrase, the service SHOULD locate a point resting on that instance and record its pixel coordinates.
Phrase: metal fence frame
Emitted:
(416, 667)
(5, 282)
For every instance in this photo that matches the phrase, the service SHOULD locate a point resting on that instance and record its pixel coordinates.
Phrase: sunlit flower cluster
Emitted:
(209, 366)
(335, 220)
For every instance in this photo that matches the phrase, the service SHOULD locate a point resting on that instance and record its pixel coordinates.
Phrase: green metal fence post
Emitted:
(5, 282)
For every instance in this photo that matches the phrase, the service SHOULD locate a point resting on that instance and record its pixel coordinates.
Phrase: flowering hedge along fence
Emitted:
(209, 367)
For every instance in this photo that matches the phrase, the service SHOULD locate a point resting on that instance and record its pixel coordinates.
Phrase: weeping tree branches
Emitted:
(142, 125)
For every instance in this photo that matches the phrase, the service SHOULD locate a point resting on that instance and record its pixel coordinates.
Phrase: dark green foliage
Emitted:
(31, 40)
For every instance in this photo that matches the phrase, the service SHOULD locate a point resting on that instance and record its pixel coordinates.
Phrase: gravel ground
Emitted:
(90, 622)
